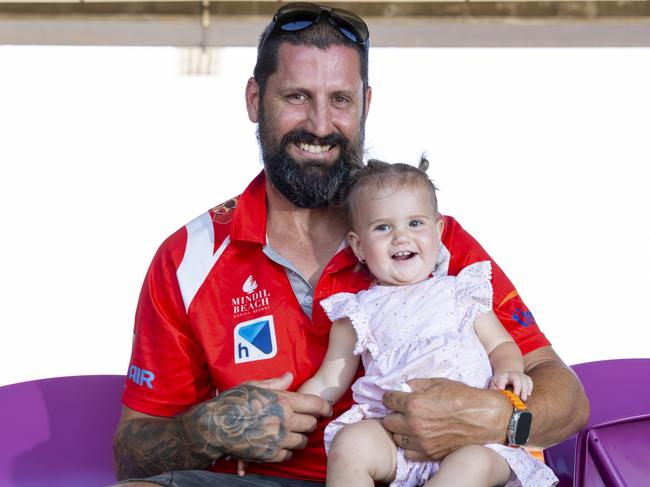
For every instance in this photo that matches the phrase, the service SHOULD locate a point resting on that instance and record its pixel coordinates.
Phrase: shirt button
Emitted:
(308, 300)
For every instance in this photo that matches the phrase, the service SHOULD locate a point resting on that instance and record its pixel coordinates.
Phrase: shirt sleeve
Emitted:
(168, 371)
(346, 305)
(507, 304)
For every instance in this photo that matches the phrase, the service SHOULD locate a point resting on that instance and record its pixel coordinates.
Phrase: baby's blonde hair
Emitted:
(382, 174)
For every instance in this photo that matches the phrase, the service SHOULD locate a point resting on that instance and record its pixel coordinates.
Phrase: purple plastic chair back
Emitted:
(619, 394)
(615, 454)
(58, 432)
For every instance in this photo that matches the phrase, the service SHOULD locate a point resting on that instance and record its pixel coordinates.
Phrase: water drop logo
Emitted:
(255, 340)
(250, 285)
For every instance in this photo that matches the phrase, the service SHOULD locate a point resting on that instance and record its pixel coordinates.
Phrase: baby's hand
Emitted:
(522, 385)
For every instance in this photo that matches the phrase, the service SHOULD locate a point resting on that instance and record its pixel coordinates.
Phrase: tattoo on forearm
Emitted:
(246, 422)
(144, 447)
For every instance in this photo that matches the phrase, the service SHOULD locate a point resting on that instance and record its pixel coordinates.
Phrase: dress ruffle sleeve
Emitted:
(474, 290)
(346, 305)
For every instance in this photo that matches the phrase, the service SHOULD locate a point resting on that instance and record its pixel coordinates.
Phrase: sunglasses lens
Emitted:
(299, 16)
(350, 26)
(295, 25)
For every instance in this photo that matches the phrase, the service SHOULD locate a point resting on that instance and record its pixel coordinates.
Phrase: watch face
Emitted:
(523, 427)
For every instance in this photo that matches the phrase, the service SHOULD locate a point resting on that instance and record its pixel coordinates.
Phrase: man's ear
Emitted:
(355, 243)
(252, 99)
(368, 96)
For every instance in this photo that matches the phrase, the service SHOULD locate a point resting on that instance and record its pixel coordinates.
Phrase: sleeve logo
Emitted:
(141, 376)
(524, 318)
(255, 340)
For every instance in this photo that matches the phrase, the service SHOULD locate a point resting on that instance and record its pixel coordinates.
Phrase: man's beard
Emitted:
(309, 184)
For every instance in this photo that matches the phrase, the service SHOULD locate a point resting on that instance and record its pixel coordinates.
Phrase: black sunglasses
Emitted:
(295, 17)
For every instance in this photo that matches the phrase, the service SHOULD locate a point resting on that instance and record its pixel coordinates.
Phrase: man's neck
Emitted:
(306, 237)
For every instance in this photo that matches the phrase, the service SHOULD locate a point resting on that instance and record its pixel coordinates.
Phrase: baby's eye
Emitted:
(416, 223)
(382, 227)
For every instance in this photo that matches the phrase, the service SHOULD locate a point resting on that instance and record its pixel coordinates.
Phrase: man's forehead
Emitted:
(304, 62)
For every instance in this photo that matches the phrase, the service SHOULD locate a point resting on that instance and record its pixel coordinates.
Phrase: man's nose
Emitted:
(320, 118)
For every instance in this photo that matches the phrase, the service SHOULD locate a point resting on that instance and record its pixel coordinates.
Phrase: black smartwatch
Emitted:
(520, 421)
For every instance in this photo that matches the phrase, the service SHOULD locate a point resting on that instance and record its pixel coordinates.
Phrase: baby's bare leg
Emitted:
(360, 454)
(471, 466)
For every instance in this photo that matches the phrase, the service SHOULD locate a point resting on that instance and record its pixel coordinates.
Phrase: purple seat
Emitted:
(58, 432)
(614, 454)
(619, 394)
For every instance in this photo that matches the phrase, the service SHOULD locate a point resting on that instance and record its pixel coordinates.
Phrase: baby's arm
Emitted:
(505, 356)
(335, 373)
(339, 366)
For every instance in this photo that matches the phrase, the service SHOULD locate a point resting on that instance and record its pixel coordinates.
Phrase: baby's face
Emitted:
(397, 232)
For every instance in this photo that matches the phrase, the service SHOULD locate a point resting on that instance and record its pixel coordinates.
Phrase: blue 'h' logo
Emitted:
(258, 334)
(255, 340)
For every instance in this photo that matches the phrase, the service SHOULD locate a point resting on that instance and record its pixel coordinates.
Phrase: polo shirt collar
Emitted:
(249, 223)
(249, 220)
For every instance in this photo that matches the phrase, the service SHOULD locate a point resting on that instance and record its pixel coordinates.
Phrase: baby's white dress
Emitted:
(423, 330)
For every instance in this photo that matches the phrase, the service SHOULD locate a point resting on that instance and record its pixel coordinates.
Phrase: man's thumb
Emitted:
(281, 383)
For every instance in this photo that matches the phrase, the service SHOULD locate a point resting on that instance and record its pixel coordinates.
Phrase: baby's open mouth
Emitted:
(404, 255)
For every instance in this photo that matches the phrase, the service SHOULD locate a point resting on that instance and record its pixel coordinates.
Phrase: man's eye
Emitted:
(296, 98)
(341, 101)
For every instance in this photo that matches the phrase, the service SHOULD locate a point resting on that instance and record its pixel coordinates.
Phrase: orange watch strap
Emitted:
(516, 401)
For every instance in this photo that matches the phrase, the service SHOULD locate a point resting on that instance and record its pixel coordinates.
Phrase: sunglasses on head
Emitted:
(295, 17)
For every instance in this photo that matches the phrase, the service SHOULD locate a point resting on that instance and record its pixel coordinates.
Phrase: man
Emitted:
(233, 296)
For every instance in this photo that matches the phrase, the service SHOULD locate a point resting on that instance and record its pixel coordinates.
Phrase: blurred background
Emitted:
(122, 121)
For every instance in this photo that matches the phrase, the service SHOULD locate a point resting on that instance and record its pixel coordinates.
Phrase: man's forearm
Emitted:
(559, 403)
(144, 447)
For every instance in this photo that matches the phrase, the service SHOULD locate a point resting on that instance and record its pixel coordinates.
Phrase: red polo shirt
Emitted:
(215, 311)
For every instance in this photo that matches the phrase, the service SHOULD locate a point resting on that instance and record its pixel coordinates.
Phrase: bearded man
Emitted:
(228, 322)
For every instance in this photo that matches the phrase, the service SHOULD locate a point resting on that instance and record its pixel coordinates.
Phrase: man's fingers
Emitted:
(396, 400)
(301, 423)
(417, 385)
(403, 441)
(416, 456)
(282, 456)
(299, 403)
(295, 441)
(281, 383)
(310, 404)
(396, 423)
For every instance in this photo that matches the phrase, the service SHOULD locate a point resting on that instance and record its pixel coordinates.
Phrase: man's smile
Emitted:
(314, 149)
(303, 151)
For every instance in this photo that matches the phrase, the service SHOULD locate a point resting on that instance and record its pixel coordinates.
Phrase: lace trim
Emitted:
(346, 305)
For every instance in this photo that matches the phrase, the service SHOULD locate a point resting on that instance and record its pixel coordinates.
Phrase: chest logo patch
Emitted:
(255, 340)
(255, 299)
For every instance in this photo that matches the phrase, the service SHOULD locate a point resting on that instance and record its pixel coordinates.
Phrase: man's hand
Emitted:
(258, 421)
(255, 421)
(440, 415)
